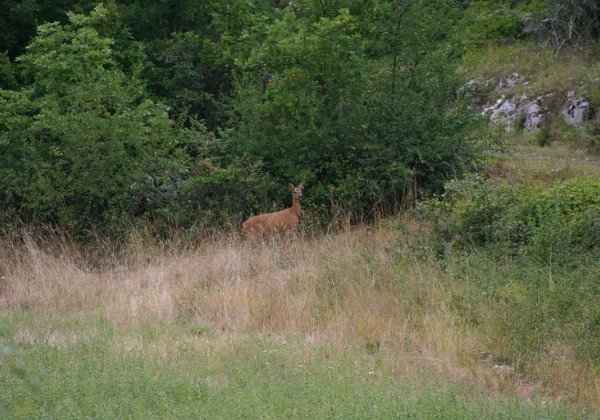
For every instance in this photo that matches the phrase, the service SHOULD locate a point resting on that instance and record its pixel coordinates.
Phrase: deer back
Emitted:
(280, 221)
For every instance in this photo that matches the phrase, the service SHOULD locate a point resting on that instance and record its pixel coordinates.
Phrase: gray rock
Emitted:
(576, 110)
(470, 86)
(502, 111)
(529, 114)
(510, 81)
(534, 112)
(506, 111)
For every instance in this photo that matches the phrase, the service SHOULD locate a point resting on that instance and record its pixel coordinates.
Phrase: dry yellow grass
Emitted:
(378, 291)
(359, 287)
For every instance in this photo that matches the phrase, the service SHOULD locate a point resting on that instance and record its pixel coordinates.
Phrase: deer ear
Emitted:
(290, 187)
(301, 186)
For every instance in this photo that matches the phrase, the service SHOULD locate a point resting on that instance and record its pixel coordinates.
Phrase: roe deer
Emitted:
(279, 221)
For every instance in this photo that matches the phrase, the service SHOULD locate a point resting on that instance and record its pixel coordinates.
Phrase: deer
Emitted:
(280, 221)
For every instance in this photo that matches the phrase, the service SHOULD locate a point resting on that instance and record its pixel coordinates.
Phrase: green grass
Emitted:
(367, 323)
(70, 366)
(544, 72)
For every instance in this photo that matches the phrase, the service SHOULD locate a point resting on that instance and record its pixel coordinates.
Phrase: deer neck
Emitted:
(295, 206)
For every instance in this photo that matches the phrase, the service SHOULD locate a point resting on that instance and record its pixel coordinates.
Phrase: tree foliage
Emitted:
(81, 142)
(362, 121)
(553, 23)
(565, 22)
(188, 113)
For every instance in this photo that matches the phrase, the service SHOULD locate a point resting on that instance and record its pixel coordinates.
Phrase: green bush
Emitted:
(563, 219)
(557, 223)
(358, 102)
(363, 121)
(486, 22)
(470, 209)
(82, 146)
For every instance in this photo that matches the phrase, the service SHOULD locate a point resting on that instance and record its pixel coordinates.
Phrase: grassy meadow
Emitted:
(386, 321)
(364, 323)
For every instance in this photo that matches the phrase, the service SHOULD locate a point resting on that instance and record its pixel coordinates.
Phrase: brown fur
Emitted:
(280, 221)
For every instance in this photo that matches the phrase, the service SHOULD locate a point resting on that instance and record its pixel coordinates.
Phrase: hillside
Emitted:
(444, 267)
(369, 322)
(400, 319)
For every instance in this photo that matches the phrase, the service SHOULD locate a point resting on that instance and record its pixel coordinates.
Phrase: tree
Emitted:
(19, 19)
(81, 145)
(565, 22)
(194, 63)
(363, 120)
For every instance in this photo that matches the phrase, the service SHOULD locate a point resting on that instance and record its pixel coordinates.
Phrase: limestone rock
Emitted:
(507, 111)
(510, 81)
(576, 110)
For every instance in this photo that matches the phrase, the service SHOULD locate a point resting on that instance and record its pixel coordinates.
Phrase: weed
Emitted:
(544, 136)
(356, 313)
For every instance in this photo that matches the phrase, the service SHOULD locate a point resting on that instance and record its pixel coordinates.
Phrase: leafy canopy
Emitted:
(79, 142)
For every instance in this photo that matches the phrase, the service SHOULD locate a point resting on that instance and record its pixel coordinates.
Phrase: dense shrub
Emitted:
(313, 104)
(82, 146)
(487, 22)
(557, 223)
(103, 118)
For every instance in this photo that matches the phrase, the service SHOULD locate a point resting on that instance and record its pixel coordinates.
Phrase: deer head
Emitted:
(296, 191)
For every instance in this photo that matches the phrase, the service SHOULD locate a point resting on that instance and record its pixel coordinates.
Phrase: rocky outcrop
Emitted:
(510, 81)
(522, 112)
(518, 112)
(576, 110)
(535, 113)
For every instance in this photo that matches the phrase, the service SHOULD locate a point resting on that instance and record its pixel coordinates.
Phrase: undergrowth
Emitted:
(384, 314)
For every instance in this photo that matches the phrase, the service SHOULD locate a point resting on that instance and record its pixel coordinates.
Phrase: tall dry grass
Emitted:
(362, 287)
(379, 291)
